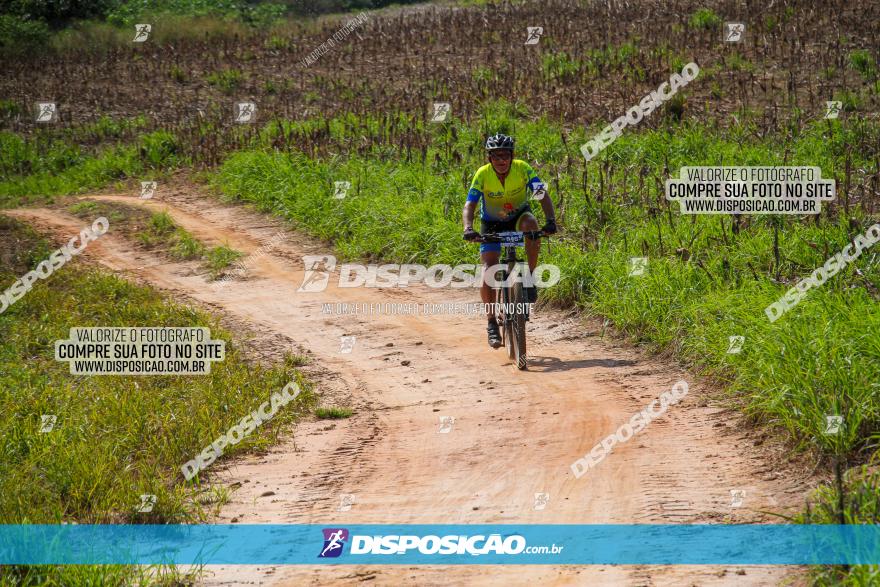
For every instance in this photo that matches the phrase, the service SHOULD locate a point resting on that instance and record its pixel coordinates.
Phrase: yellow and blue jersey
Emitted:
(502, 202)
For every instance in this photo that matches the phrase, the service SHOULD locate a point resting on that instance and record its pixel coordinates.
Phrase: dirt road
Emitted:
(514, 433)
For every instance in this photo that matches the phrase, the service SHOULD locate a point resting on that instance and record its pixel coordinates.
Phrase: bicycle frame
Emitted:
(512, 295)
(510, 241)
(511, 259)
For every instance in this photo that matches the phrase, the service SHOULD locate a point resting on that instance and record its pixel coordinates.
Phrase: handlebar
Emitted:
(493, 237)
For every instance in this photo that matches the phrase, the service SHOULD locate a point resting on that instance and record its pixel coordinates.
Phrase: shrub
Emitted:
(159, 149)
(18, 35)
(861, 61)
(704, 18)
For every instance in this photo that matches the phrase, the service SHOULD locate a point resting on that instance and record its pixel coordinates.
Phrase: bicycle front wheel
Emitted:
(517, 321)
(504, 320)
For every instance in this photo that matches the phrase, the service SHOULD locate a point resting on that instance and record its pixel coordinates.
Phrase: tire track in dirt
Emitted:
(515, 433)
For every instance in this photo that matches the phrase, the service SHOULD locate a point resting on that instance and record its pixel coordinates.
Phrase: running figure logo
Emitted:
(733, 31)
(46, 112)
(141, 32)
(334, 541)
(245, 112)
(736, 343)
(833, 108)
(534, 34)
(441, 111)
(317, 272)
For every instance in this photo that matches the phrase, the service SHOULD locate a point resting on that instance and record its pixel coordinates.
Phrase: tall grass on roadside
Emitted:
(708, 278)
(115, 437)
(854, 499)
(36, 170)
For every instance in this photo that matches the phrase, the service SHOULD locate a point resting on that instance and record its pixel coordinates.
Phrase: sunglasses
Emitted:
(501, 156)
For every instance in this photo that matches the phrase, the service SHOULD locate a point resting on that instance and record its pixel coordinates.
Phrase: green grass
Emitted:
(333, 413)
(161, 231)
(185, 246)
(559, 65)
(736, 62)
(9, 108)
(861, 505)
(862, 61)
(227, 80)
(219, 258)
(115, 437)
(36, 169)
(85, 208)
(119, 215)
(705, 19)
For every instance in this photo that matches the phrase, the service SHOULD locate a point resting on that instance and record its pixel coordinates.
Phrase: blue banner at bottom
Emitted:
(477, 544)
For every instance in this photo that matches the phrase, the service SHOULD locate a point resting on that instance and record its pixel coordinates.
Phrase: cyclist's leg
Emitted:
(526, 223)
(488, 258)
(487, 294)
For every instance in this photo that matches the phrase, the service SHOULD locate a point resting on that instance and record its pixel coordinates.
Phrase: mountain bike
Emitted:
(511, 307)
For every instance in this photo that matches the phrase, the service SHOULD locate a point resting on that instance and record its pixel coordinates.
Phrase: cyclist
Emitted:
(502, 187)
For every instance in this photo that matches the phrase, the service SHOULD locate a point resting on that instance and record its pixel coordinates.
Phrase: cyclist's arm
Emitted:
(467, 215)
(470, 206)
(547, 207)
(537, 186)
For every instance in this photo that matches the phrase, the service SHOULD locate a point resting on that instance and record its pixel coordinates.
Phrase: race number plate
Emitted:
(512, 239)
